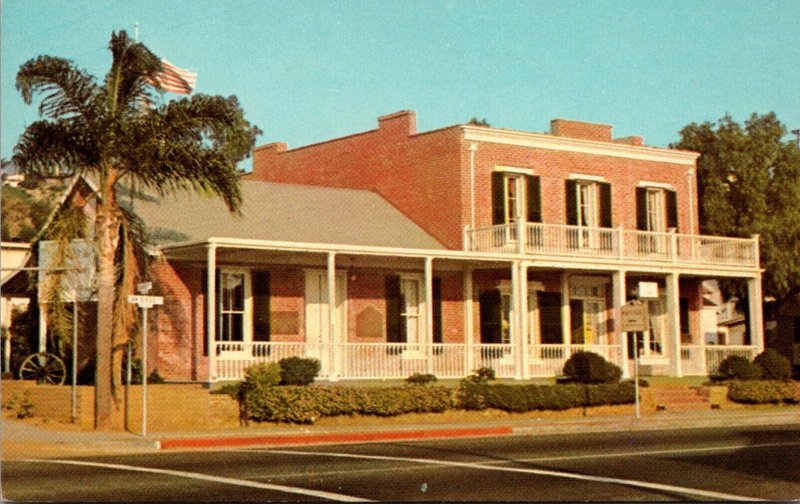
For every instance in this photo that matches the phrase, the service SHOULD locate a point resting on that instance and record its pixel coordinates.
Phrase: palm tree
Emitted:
(119, 130)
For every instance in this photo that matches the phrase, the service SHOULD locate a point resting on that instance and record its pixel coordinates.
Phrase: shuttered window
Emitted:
(395, 324)
(491, 316)
(550, 317)
(261, 313)
(588, 203)
(515, 195)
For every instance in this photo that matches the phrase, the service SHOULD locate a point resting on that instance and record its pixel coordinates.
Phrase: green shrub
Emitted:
(298, 371)
(481, 375)
(522, 398)
(300, 404)
(421, 379)
(589, 367)
(735, 367)
(774, 366)
(764, 392)
(265, 374)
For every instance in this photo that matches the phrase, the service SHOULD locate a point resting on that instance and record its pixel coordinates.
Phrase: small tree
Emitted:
(589, 367)
(774, 366)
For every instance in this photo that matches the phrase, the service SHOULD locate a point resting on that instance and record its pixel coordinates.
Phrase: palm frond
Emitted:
(133, 68)
(66, 89)
(63, 145)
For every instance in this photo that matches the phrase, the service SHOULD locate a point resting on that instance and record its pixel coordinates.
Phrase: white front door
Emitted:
(318, 338)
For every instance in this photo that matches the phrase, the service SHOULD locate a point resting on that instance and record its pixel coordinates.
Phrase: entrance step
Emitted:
(676, 398)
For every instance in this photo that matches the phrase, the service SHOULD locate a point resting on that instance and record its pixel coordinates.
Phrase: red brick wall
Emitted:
(554, 168)
(418, 173)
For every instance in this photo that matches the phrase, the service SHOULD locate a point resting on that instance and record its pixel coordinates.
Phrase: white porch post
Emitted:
(619, 300)
(515, 333)
(566, 333)
(524, 347)
(674, 315)
(332, 314)
(211, 311)
(756, 317)
(429, 313)
(42, 327)
(469, 331)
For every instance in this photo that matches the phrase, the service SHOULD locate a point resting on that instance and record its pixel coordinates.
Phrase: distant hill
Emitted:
(26, 208)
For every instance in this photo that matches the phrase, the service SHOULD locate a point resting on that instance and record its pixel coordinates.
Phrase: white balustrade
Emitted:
(716, 354)
(614, 243)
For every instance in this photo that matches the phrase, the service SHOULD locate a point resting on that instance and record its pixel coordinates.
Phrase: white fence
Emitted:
(400, 360)
(612, 243)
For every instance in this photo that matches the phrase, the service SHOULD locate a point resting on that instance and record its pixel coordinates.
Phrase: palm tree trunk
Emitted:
(107, 224)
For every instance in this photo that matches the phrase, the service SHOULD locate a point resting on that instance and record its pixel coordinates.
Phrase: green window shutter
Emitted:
(491, 316)
(395, 327)
(437, 310)
(672, 209)
(572, 203)
(605, 204)
(641, 208)
(261, 313)
(498, 199)
(534, 197)
(550, 317)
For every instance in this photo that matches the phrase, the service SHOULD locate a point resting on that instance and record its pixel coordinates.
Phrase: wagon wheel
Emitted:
(44, 368)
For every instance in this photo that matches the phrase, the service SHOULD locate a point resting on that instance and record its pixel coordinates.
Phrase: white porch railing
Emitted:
(612, 243)
(693, 360)
(401, 360)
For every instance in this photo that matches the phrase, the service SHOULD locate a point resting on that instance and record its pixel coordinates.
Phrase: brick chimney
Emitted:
(400, 123)
(630, 140)
(262, 155)
(581, 130)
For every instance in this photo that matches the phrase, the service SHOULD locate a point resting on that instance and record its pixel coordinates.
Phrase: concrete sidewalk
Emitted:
(21, 440)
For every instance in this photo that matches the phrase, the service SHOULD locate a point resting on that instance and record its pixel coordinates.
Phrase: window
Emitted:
(515, 196)
(655, 220)
(232, 306)
(656, 209)
(588, 208)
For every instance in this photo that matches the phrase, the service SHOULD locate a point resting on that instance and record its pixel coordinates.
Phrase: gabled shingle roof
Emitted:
(284, 212)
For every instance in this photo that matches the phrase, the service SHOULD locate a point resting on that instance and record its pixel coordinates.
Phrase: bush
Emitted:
(421, 379)
(774, 366)
(764, 392)
(589, 367)
(522, 398)
(481, 375)
(298, 371)
(300, 404)
(266, 374)
(739, 368)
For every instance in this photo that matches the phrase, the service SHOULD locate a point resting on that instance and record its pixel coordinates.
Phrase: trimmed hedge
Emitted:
(299, 404)
(298, 370)
(764, 392)
(522, 398)
(739, 368)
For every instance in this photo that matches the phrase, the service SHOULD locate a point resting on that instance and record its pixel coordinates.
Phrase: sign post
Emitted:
(145, 302)
(635, 319)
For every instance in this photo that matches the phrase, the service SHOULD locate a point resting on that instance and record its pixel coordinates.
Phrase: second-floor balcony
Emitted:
(613, 244)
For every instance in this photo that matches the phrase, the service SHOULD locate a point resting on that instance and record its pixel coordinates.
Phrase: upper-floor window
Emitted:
(588, 203)
(515, 196)
(656, 209)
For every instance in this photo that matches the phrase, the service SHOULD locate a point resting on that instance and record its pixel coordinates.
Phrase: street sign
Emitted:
(146, 301)
(634, 317)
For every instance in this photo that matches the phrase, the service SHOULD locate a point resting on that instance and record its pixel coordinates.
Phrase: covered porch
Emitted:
(404, 311)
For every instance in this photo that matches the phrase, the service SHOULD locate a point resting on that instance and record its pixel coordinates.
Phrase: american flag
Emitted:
(174, 79)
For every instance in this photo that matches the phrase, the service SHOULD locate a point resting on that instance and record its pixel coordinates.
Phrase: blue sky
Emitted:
(306, 71)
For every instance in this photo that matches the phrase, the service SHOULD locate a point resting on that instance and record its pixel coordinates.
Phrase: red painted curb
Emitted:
(348, 437)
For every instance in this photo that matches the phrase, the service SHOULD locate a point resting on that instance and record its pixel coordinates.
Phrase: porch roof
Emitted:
(287, 213)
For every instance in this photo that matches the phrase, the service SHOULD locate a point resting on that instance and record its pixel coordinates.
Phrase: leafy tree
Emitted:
(748, 181)
(119, 130)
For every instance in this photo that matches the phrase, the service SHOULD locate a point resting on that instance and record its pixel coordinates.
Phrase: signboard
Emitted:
(635, 317)
(146, 301)
(648, 290)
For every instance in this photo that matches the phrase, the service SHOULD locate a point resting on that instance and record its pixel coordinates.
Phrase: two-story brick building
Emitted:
(445, 251)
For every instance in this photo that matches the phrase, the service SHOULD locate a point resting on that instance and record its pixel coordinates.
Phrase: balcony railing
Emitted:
(612, 243)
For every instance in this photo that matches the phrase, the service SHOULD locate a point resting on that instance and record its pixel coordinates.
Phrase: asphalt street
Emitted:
(726, 464)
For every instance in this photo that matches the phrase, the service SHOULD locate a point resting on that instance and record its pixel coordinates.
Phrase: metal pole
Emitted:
(74, 397)
(636, 372)
(144, 371)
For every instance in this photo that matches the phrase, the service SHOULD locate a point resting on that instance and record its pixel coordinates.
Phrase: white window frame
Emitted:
(247, 306)
(656, 210)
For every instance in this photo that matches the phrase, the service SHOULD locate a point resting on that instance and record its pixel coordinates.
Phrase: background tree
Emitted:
(748, 181)
(116, 131)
